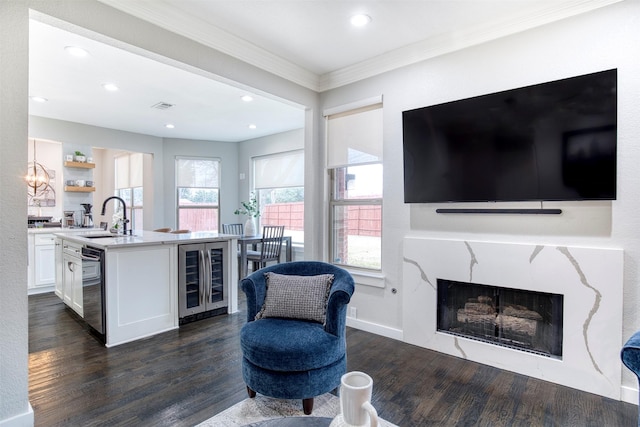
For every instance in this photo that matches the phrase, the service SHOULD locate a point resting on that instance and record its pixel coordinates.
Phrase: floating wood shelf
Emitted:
(76, 189)
(82, 165)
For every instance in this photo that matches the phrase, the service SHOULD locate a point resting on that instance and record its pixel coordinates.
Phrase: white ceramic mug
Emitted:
(80, 182)
(355, 400)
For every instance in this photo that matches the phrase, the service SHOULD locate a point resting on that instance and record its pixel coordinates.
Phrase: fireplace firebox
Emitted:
(520, 319)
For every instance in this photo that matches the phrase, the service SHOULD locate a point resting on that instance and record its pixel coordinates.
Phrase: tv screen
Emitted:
(550, 141)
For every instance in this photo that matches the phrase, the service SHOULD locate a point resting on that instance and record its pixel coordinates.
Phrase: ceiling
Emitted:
(309, 42)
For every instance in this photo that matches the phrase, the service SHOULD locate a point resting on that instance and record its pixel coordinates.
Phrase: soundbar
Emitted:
(500, 211)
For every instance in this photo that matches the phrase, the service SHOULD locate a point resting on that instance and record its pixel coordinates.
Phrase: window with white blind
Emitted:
(197, 192)
(279, 185)
(129, 172)
(354, 161)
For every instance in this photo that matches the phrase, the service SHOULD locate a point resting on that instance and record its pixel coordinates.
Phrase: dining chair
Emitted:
(270, 246)
(237, 229)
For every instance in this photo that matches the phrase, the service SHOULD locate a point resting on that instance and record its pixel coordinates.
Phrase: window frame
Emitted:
(178, 188)
(135, 210)
(368, 147)
(334, 203)
(259, 187)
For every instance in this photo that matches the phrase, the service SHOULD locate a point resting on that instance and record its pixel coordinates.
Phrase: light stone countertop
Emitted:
(140, 238)
(52, 230)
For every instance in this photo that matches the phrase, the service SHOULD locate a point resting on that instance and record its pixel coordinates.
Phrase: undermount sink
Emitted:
(108, 236)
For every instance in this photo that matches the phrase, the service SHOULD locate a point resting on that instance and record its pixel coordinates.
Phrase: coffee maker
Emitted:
(87, 216)
(69, 220)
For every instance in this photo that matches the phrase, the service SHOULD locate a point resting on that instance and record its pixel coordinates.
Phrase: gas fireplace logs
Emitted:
(514, 318)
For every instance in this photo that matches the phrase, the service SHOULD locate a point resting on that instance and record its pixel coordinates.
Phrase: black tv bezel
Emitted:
(566, 135)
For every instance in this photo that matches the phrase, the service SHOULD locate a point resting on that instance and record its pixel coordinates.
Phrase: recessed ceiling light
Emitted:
(76, 51)
(247, 98)
(111, 87)
(252, 126)
(38, 99)
(170, 126)
(360, 20)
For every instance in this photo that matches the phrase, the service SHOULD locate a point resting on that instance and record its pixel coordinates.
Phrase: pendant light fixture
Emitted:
(38, 180)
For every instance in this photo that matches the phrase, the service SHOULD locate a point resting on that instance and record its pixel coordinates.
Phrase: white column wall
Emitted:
(15, 409)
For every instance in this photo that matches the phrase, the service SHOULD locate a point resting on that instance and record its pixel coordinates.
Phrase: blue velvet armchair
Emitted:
(291, 358)
(630, 355)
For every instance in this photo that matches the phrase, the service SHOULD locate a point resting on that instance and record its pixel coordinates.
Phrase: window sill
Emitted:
(376, 280)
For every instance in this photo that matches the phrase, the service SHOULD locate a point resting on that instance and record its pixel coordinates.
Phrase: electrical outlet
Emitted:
(353, 312)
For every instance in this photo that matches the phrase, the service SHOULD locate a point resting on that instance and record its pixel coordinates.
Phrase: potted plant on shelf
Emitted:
(252, 210)
(80, 157)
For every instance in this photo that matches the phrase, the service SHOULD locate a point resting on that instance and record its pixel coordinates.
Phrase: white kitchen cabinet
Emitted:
(44, 260)
(72, 277)
(41, 272)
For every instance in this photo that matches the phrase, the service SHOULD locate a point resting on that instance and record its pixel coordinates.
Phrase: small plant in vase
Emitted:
(252, 210)
(80, 157)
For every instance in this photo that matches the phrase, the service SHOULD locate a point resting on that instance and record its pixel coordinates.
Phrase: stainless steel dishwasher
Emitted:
(93, 292)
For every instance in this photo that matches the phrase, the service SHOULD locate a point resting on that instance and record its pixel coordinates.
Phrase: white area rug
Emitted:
(263, 408)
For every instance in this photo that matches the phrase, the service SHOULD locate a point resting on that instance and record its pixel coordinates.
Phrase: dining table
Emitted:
(244, 242)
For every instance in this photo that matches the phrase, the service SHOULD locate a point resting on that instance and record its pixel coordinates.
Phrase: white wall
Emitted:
(604, 39)
(14, 399)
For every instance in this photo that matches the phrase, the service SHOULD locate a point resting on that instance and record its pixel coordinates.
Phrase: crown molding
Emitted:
(176, 20)
(443, 44)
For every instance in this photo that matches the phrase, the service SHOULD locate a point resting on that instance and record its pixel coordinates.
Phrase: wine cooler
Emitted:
(203, 282)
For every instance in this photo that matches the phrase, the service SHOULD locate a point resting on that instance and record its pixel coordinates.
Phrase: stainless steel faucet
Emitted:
(124, 215)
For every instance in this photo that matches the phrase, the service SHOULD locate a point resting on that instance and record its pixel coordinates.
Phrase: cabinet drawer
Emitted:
(44, 239)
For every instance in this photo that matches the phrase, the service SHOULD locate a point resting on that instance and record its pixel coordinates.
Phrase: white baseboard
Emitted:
(374, 328)
(629, 395)
(21, 420)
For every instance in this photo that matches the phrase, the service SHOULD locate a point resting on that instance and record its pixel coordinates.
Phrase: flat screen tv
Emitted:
(546, 142)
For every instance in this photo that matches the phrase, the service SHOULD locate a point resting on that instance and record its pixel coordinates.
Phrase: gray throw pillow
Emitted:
(296, 297)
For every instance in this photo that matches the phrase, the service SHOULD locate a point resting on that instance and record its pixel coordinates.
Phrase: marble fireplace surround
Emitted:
(589, 278)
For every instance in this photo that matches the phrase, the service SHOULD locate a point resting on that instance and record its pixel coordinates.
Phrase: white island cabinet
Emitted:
(141, 292)
(141, 280)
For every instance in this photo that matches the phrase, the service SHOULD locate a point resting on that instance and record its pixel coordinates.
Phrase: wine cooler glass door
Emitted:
(192, 277)
(217, 294)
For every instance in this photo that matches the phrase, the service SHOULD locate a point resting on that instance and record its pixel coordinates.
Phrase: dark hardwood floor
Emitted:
(184, 377)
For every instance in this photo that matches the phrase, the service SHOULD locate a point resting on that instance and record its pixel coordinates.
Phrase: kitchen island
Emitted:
(140, 279)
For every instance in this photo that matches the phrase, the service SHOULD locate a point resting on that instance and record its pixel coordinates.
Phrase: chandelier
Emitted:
(37, 178)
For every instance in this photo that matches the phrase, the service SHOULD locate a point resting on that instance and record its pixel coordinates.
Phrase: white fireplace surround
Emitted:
(589, 278)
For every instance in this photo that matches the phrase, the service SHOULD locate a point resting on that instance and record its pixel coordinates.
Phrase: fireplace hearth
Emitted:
(520, 319)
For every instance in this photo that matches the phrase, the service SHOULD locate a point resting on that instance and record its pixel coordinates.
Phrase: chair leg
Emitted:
(307, 406)
(252, 393)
